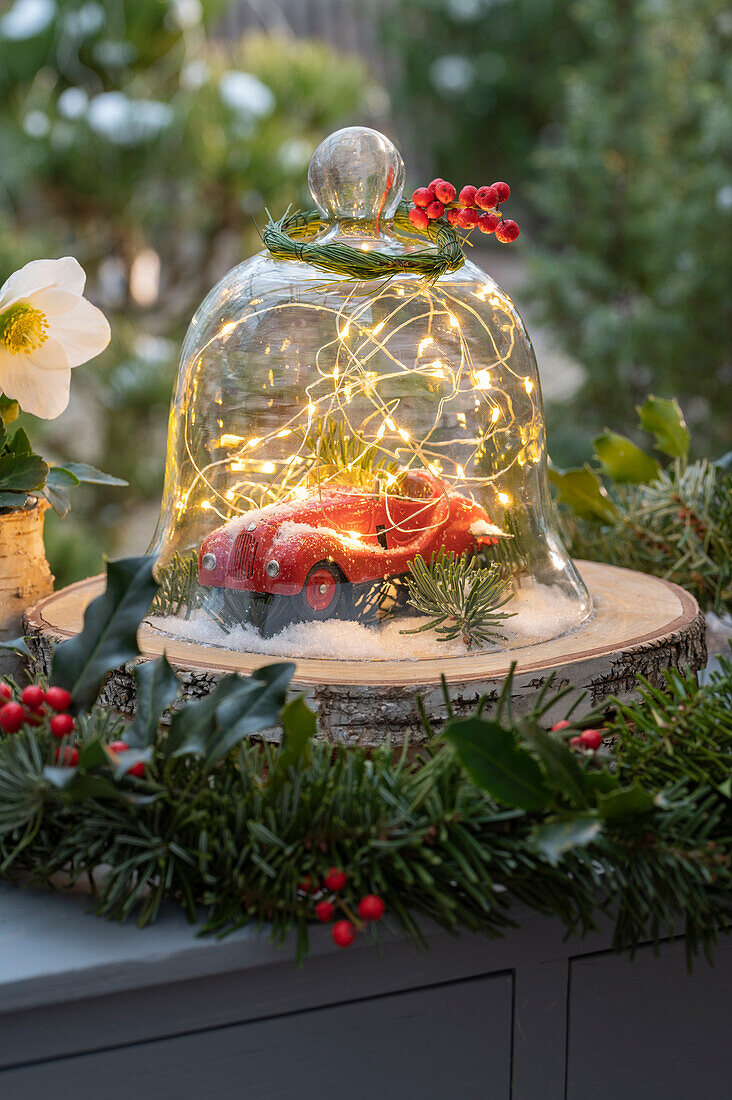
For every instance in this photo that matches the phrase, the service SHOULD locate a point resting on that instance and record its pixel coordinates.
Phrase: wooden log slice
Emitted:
(640, 624)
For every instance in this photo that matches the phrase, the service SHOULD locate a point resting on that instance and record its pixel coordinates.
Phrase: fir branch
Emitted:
(461, 598)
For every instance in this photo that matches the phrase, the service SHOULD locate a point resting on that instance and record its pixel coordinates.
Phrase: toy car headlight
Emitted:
(272, 568)
(208, 561)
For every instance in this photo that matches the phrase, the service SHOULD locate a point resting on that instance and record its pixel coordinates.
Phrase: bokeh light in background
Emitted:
(144, 136)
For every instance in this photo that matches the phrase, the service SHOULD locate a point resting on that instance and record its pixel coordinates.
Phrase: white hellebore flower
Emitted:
(46, 328)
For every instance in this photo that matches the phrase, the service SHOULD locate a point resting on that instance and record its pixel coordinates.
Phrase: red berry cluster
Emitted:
(473, 206)
(370, 908)
(34, 706)
(589, 740)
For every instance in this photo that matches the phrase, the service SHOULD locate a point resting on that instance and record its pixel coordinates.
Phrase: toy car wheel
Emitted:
(324, 593)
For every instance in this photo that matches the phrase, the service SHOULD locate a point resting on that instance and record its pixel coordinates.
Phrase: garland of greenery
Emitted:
(497, 810)
(285, 240)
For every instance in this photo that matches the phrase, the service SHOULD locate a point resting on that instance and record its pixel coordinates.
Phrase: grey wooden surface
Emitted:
(89, 1009)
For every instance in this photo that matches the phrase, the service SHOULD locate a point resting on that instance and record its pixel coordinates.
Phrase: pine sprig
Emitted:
(461, 598)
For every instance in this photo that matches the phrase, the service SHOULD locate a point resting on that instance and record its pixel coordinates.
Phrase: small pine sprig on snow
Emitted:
(461, 598)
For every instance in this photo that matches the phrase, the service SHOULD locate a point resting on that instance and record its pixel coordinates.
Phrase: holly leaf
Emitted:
(22, 473)
(192, 727)
(582, 491)
(254, 707)
(299, 725)
(109, 635)
(626, 802)
(156, 687)
(82, 471)
(558, 761)
(622, 461)
(556, 838)
(664, 419)
(492, 759)
(17, 645)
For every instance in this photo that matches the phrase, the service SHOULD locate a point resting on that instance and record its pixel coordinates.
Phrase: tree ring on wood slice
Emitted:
(641, 625)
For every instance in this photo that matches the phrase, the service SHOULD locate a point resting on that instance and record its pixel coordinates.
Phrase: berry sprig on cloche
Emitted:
(473, 206)
(37, 706)
(370, 907)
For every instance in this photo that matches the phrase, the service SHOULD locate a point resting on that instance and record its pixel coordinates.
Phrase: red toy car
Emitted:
(314, 548)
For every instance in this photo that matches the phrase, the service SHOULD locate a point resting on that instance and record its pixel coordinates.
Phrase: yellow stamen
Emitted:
(23, 329)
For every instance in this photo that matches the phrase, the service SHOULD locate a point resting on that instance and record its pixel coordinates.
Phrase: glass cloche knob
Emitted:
(356, 173)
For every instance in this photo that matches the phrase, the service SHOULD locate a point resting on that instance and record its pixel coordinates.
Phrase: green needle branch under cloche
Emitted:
(461, 598)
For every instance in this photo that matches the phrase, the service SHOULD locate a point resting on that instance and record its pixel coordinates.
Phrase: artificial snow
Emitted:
(541, 612)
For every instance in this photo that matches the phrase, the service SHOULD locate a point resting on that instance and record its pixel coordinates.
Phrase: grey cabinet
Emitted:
(93, 1011)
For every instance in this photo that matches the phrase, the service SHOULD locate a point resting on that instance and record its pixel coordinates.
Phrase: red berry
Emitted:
(371, 907)
(503, 190)
(507, 231)
(444, 191)
(468, 218)
(575, 742)
(57, 698)
(6, 692)
(487, 223)
(67, 756)
(343, 933)
(62, 725)
(335, 880)
(452, 216)
(486, 198)
(325, 911)
(422, 196)
(12, 717)
(435, 210)
(137, 769)
(418, 218)
(467, 195)
(591, 739)
(32, 696)
(563, 725)
(434, 184)
(308, 885)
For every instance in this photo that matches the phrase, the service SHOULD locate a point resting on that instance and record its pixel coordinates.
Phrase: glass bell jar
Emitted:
(330, 432)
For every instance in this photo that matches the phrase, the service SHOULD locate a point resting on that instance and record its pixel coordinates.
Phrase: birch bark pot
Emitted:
(25, 576)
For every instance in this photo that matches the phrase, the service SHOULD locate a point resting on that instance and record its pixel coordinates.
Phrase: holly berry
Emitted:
(12, 717)
(57, 698)
(563, 725)
(467, 195)
(62, 725)
(371, 907)
(468, 218)
(67, 756)
(422, 196)
(6, 692)
(591, 739)
(486, 198)
(308, 885)
(325, 911)
(452, 216)
(32, 696)
(137, 769)
(576, 742)
(335, 880)
(503, 190)
(343, 933)
(445, 191)
(435, 210)
(418, 218)
(507, 231)
(487, 223)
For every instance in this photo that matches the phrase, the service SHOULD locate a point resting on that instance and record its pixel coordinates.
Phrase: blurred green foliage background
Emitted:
(145, 138)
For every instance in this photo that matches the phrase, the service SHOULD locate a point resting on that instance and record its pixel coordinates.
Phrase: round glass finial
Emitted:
(356, 173)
